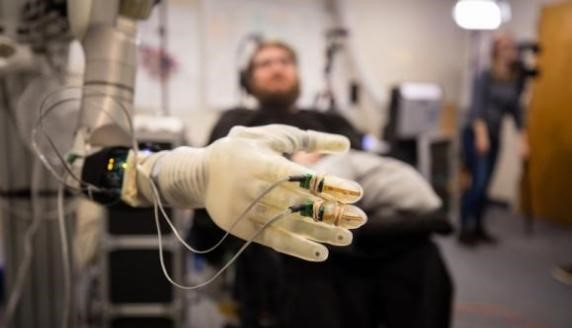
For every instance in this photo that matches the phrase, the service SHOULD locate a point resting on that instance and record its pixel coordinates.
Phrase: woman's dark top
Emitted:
(492, 99)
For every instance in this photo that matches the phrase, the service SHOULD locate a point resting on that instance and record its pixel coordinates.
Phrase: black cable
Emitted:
(7, 103)
(163, 69)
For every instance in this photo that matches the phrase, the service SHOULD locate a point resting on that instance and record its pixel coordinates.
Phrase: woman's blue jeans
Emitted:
(481, 168)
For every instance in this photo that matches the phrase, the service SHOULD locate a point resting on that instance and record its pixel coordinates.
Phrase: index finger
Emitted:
(324, 186)
(287, 139)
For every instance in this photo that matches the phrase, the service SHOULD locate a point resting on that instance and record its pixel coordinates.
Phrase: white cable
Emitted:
(24, 267)
(60, 208)
(229, 263)
(227, 233)
(65, 258)
(39, 126)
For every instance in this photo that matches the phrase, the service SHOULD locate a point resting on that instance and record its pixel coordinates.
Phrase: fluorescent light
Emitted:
(477, 14)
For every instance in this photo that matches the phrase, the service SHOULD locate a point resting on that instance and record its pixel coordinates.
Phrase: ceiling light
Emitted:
(477, 14)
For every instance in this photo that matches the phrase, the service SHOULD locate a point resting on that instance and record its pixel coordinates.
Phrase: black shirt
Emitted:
(302, 118)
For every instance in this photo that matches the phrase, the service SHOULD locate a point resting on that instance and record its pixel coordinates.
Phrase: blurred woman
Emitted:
(496, 93)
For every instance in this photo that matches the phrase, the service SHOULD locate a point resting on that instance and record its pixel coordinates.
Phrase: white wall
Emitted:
(408, 40)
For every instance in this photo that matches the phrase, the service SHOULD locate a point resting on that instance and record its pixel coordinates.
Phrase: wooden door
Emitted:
(550, 119)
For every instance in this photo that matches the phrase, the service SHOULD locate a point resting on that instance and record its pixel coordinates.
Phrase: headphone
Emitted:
(252, 41)
(244, 80)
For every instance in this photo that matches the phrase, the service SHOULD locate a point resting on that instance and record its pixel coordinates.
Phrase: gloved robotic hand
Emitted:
(227, 176)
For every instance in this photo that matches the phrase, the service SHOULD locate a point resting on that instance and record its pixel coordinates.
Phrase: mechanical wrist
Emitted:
(179, 176)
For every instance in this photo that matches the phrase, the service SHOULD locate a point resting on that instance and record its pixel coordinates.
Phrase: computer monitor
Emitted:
(414, 110)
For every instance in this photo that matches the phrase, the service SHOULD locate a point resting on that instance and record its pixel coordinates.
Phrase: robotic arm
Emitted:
(245, 172)
(107, 31)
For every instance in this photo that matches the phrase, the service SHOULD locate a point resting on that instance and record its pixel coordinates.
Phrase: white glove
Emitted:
(228, 175)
